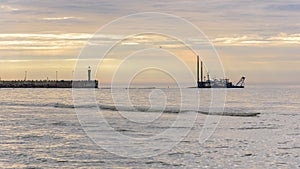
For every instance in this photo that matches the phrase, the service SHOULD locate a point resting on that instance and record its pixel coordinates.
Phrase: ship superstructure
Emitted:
(203, 82)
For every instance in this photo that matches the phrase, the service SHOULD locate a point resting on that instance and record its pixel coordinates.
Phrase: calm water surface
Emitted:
(40, 129)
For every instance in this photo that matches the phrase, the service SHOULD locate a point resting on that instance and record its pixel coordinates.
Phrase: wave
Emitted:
(61, 105)
(134, 109)
(174, 110)
(142, 109)
(56, 105)
(241, 114)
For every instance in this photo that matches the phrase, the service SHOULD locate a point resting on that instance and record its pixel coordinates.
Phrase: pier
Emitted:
(50, 83)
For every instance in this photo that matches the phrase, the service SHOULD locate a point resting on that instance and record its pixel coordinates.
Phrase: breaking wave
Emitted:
(55, 105)
(134, 109)
(173, 110)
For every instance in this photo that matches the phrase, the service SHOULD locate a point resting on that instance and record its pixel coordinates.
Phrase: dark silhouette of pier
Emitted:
(50, 83)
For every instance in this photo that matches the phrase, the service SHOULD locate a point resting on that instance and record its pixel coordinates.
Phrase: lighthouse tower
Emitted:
(89, 73)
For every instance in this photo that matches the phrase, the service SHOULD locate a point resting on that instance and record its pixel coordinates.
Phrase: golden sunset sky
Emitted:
(256, 39)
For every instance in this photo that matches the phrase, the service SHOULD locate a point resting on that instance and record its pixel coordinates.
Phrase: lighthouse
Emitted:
(89, 73)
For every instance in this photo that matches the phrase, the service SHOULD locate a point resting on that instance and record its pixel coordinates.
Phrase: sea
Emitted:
(254, 127)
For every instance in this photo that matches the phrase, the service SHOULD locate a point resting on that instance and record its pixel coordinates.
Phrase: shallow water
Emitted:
(40, 128)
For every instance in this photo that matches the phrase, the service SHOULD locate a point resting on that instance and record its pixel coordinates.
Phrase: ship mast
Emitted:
(197, 69)
(201, 71)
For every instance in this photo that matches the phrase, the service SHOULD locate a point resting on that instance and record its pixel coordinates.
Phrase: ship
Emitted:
(50, 83)
(216, 83)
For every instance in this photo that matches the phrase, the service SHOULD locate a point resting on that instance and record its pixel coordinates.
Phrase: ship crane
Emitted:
(241, 82)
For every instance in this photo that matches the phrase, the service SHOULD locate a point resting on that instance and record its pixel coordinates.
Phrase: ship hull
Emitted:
(220, 87)
(217, 85)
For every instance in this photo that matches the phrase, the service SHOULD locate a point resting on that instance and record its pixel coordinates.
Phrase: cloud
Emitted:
(213, 17)
(285, 7)
(281, 39)
(60, 18)
(130, 43)
(42, 41)
(8, 8)
(51, 41)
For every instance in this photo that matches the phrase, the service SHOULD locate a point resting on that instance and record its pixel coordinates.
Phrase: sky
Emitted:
(256, 39)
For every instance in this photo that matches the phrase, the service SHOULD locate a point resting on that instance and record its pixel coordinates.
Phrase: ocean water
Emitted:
(47, 128)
